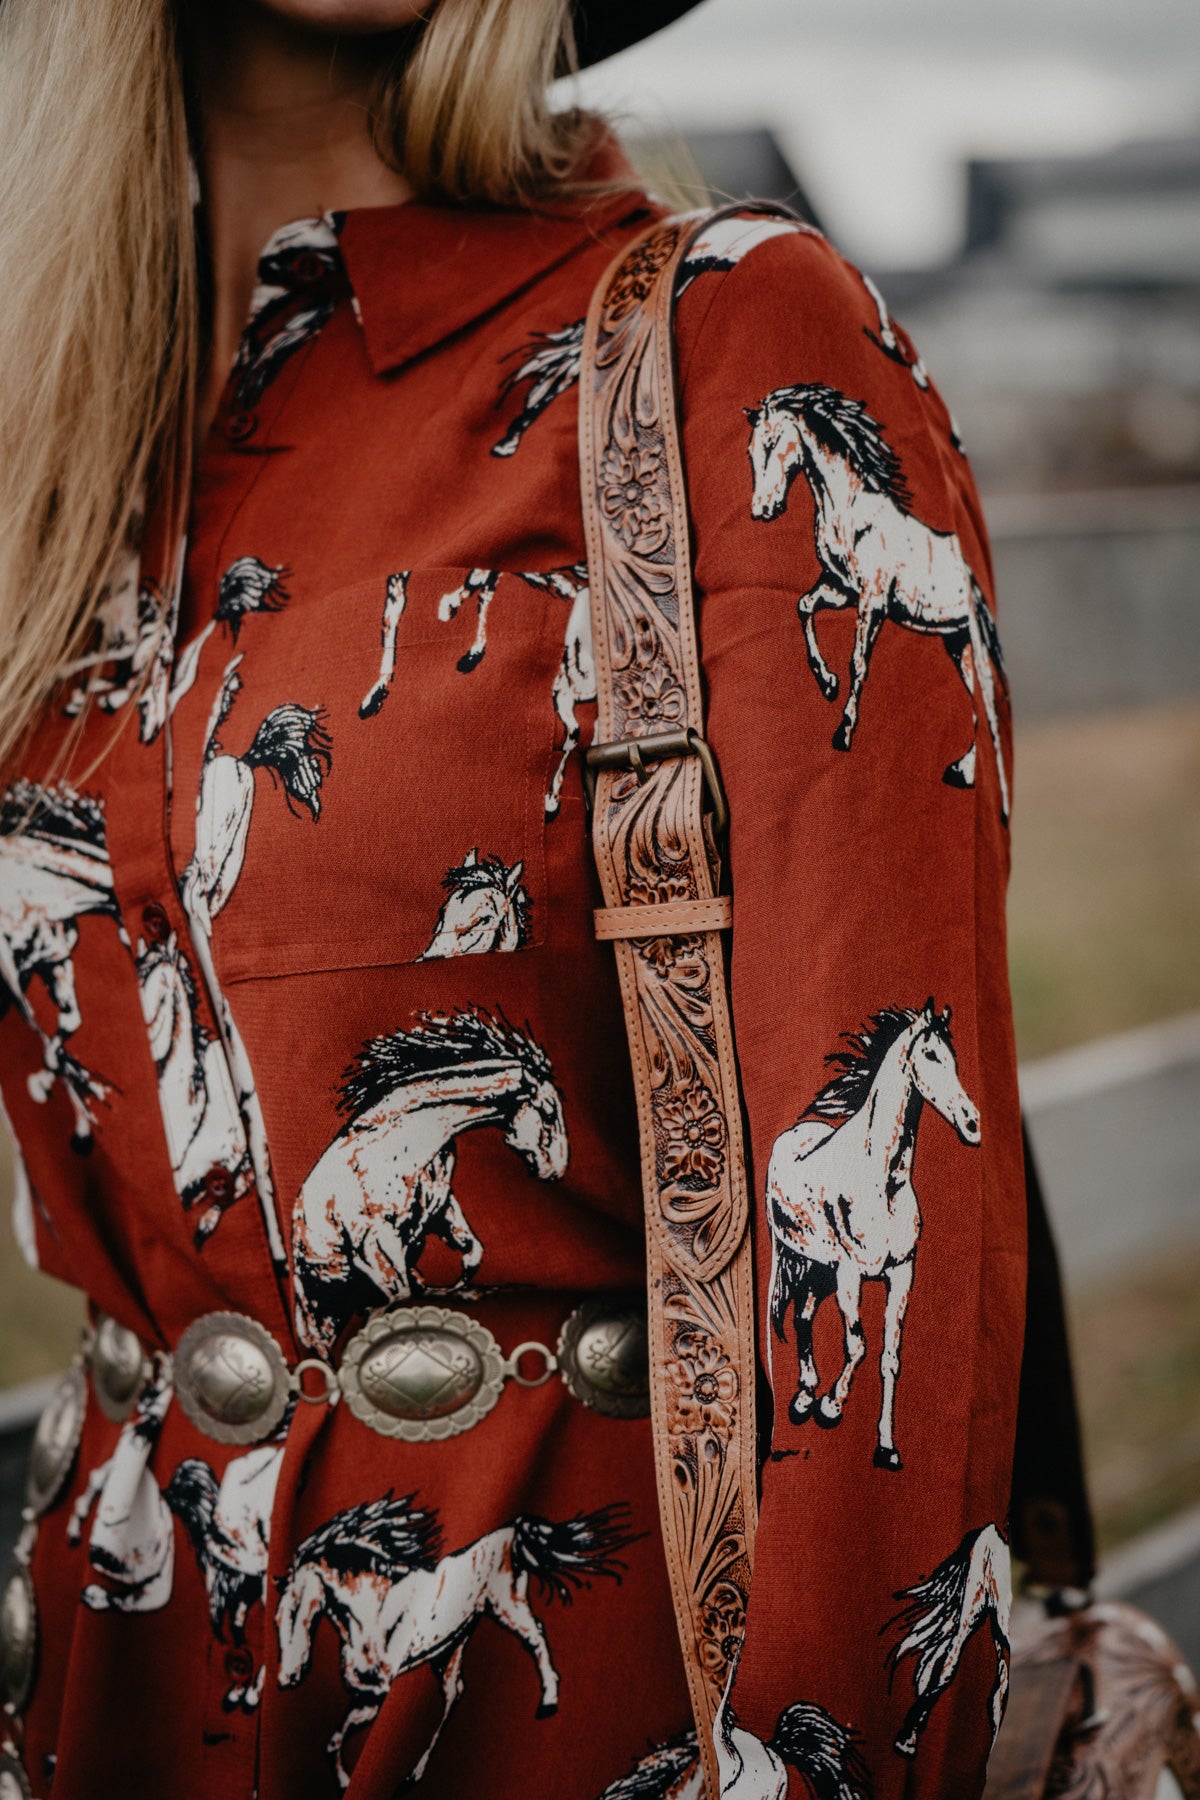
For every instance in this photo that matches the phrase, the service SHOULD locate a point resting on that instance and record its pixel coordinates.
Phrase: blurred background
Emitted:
(1023, 182)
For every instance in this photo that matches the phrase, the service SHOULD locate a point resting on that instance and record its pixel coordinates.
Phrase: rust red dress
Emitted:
(305, 1019)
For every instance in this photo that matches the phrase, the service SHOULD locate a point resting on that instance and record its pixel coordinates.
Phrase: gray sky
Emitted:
(878, 101)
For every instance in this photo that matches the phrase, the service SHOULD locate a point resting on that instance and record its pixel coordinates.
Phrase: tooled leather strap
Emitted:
(656, 853)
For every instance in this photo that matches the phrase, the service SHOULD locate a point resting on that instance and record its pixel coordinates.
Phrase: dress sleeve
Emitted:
(858, 709)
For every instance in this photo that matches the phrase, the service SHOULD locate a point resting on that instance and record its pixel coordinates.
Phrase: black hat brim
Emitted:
(603, 27)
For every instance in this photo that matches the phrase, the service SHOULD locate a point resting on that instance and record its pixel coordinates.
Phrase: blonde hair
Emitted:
(99, 339)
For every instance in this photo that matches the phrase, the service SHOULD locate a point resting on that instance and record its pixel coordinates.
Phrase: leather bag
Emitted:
(1100, 1702)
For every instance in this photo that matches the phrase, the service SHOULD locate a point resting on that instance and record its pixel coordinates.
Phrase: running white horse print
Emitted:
(376, 1572)
(875, 556)
(56, 871)
(293, 747)
(229, 1525)
(671, 1771)
(196, 1095)
(131, 645)
(575, 680)
(841, 1205)
(550, 366)
(973, 1587)
(269, 337)
(385, 1185)
(132, 1542)
(486, 909)
(248, 586)
(825, 1754)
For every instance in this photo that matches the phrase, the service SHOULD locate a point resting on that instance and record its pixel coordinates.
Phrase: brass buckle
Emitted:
(634, 753)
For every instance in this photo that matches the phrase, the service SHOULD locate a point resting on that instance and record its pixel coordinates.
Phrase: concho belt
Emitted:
(421, 1373)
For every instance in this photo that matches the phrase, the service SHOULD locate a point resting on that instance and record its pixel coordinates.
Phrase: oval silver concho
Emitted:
(14, 1783)
(55, 1440)
(604, 1357)
(422, 1373)
(230, 1378)
(119, 1368)
(18, 1636)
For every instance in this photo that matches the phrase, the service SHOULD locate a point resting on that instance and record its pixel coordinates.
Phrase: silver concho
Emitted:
(14, 1783)
(604, 1357)
(230, 1378)
(18, 1636)
(422, 1373)
(119, 1368)
(55, 1441)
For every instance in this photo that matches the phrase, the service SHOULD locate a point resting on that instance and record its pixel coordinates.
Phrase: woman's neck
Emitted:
(284, 135)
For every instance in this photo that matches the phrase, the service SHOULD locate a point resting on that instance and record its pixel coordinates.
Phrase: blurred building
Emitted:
(1081, 277)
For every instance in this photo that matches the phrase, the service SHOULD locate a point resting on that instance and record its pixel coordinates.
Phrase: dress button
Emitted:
(241, 425)
(156, 923)
(239, 1663)
(218, 1183)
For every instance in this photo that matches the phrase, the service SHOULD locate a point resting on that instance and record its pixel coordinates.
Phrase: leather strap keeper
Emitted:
(664, 918)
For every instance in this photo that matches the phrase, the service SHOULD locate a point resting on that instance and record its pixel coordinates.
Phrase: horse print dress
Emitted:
(305, 1022)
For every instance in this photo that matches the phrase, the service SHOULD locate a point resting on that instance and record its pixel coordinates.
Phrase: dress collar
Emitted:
(421, 271)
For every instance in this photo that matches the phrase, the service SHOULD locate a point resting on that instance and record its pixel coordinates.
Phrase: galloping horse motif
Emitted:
(247, 586)
(132, 1541)
(196, 1096)
(376, 1573)
(292, 745)
(824, 1753)
(229, 1524)
(670, 1771)
(52, 844)
(574, 681)
(874, 554)
(550, 367)
(383, 1187)
(487, 908)
(972, 1586)
(131, 638)
(841, 1205)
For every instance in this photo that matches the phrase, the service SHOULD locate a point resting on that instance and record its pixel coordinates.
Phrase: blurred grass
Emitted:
(1103, 922)
(1104, 905)
(1136, 1342)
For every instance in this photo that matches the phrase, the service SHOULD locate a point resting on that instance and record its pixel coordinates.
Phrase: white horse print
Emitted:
(486, 909)
(575, 680)
(876, 557)
(825, 1754)
(131, 643)
(384, 1186)
(196, 1095)
(972, 1587)
(132, 1542)
(670, 1771)
(248, 585)
(722, 245)
(550, 366)
(376, 1573)
(888, 338)
(292, 745)
(229, 1525)
(394, 601)
(841, 1205)
(54, 855)
(275, 329)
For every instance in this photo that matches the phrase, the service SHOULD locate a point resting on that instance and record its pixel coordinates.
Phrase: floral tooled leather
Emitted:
(653, 846)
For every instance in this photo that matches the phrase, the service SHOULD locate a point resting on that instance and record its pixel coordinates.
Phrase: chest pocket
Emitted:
(379, 787)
